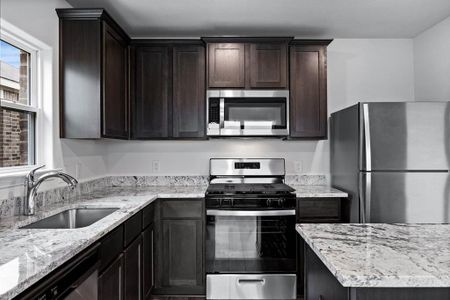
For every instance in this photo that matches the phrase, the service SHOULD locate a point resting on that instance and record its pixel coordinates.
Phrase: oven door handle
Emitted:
(250, 213)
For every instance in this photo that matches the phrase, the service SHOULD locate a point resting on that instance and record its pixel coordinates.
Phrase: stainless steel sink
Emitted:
(72, 218)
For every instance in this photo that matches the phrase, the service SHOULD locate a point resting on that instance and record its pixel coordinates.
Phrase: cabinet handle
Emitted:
(153, 261)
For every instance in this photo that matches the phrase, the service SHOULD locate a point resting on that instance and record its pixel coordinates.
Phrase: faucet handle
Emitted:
(30, 175)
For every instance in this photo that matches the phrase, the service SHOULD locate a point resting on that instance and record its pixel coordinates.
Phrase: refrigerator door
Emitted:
(404, 136)
(404, 197)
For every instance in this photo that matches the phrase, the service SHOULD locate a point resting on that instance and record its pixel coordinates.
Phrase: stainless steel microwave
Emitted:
(247, 113)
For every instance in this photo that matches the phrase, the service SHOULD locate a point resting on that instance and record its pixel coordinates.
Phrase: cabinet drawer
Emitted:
(319, 208)
(186, 208)
(148, 215)
(111, 247)
(132, 228)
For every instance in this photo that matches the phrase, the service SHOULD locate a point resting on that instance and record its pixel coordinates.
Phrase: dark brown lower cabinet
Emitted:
(110, 284)
(126, 255)
(147, 261)
(182, 261)
(133, 270)
(180, 265)
(315, 210)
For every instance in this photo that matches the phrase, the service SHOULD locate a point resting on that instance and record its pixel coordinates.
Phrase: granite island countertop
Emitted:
(27, 255)
(382, 255)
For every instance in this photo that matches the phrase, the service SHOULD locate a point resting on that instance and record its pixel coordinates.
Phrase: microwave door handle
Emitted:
(222, 112)
(250, 213)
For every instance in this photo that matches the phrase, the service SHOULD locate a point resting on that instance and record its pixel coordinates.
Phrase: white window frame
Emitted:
(18, 38)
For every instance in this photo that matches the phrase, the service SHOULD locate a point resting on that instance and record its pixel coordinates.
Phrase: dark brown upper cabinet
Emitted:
(308, 89)
(268, 66)
(226, 65)
(115, 86)
(188, 103)
(248, 63)
(150, 108)
(93, 75)
(169, 90)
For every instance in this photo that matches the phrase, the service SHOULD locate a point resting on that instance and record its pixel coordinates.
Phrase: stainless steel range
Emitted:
(250, 231)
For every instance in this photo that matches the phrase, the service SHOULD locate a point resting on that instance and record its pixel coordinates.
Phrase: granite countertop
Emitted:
(311, 191)
(383, 255)
(27, 255)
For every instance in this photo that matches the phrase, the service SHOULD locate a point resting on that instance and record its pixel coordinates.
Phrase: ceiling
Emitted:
(300, 18)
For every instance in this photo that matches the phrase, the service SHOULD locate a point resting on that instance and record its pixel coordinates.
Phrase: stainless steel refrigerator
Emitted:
(393, 159)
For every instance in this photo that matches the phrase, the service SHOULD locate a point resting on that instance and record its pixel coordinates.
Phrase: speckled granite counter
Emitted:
(383, 255)
(311, 191)
(27, 255)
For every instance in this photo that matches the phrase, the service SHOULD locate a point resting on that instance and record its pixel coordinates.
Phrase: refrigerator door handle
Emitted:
(365, 191)
(367, 141)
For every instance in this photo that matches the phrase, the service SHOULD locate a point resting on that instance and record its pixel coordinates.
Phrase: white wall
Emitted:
(358, 70)
(432, 63)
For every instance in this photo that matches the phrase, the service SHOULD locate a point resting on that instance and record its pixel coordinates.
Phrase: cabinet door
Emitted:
(133, 270)
(151, 106)
(308, 92)
(182, 256)
(226, 65)
(268, 65)
(110, 281)
(147, 261)
(314, 210)
(115, 91)
(189, 92)
(80, 78)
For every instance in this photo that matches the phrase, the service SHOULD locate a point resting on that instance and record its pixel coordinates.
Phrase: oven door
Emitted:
(250, 241)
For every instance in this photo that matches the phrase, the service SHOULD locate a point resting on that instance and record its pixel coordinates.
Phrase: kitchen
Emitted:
(216, 155)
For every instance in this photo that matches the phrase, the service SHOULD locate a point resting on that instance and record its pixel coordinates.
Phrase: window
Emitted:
(17, 106)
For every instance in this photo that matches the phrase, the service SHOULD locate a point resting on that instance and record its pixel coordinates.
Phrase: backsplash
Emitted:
(157, 180)
(13, 205)
(306, 180)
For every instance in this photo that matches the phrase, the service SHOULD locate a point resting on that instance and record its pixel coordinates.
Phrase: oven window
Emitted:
(256, 109)
(250, 244)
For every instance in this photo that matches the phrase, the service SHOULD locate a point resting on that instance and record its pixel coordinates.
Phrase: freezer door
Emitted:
(405, 197)
(404, 136)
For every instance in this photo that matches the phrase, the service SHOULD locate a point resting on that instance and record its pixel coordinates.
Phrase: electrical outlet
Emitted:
(156, 166)
(298, 167)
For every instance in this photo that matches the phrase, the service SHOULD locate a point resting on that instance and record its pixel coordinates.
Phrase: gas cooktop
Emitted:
(248, 188)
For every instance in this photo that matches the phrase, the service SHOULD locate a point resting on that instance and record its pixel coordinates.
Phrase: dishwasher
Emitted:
(76, 280)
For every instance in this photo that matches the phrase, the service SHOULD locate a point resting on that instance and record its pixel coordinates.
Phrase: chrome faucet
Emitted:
(32, 184)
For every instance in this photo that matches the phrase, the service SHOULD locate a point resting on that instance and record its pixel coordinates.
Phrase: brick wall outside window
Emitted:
(14, 124)
(13, 138)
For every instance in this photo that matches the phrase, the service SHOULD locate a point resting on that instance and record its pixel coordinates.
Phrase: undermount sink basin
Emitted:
(72, 218)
